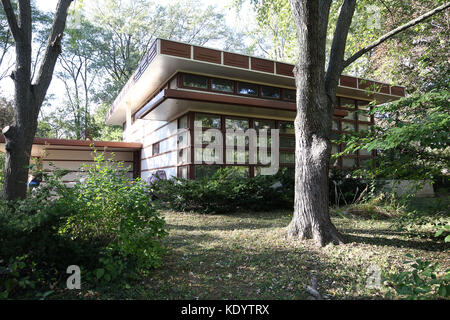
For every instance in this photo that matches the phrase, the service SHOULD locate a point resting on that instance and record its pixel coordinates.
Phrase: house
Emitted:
(178, 85)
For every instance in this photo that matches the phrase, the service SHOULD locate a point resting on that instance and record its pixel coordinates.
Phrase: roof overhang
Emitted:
(165, 58)
(42, 144)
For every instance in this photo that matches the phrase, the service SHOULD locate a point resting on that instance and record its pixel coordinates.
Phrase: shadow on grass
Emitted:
(396, 242)
(225, 227)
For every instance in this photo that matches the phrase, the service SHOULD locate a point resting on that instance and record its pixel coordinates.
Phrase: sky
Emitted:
(56, 88)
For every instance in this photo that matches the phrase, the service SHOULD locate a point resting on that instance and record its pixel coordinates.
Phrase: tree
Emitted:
(29, 93)
(316, 98)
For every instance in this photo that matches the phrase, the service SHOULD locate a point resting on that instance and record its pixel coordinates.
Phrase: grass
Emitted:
(248, 256)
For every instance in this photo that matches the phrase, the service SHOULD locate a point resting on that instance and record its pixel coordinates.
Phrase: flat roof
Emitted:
(165, 58)
(64, 144)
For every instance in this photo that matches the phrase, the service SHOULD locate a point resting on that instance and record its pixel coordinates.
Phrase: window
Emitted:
(183, 172)
(287, 157)
(287, 127)
(348, 162)
(194, 81)
(183, 155)
(208, 120)
(248, 89)
(264, 124)
(155, 149)
(183, 139)
(183, 122)
(347, 103)
(289, 95)
(348, 126)
(236, 124)
(205, 171)
(222, 85)
(287, 142)
(270, 92)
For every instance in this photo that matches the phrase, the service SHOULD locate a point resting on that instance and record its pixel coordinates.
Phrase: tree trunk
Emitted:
(29, 96)
(311, 218)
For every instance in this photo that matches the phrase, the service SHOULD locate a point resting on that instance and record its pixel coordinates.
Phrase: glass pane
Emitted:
(183, 139)
(364, 152)
(234, 156)
(287, 127)
(264, 158)
(191, 80)
(348, 162)
(208, 121)
(363, 127)
(264, 124)
(363, 115)
(335, 125)
(236, 124)
(183, 155)
(289, 95)
(247, 88)
(222, 85)
(202, 171)
(350, 115)
(287, 142)
(183, 172)
(348, 126)
(363, 105)
(347, 103)
(270, 92)
(183, 122)
(287, 157)
(334, 148)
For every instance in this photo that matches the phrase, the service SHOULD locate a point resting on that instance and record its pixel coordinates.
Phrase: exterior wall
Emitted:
(73, 160)
(151, 133)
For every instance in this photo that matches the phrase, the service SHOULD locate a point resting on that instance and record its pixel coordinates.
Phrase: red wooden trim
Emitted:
(262, 65)
(207, 55)
(235, 60)
(285, 69)
(83, 143)
(175, 49)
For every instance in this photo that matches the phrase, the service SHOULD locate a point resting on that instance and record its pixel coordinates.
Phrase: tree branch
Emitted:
(337, 52)
(12, 20)
(52, 51)
(392, 33)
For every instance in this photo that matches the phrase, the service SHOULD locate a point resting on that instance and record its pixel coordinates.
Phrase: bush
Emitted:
(116, 212)
(106, 225)
(423, 282)
(226, 191)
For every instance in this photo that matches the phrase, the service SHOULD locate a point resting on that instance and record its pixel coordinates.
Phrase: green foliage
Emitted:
(227, 191)
(412, 137)
(423, 282)
(105, 224)
(425, 221)
(117, 212)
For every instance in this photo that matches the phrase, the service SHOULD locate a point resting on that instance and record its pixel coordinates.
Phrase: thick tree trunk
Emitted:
(18, 151)
(28, 96)
(311, 218)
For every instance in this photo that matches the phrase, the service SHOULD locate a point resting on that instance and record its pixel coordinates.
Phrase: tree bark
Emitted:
(28, 96)
(311, 218)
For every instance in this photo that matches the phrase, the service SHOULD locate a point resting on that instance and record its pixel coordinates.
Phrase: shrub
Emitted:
(115, 212)
(423, 282)
(226, 191)
(106, 225)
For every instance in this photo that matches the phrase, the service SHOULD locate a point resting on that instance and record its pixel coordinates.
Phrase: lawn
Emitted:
(247, 256)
